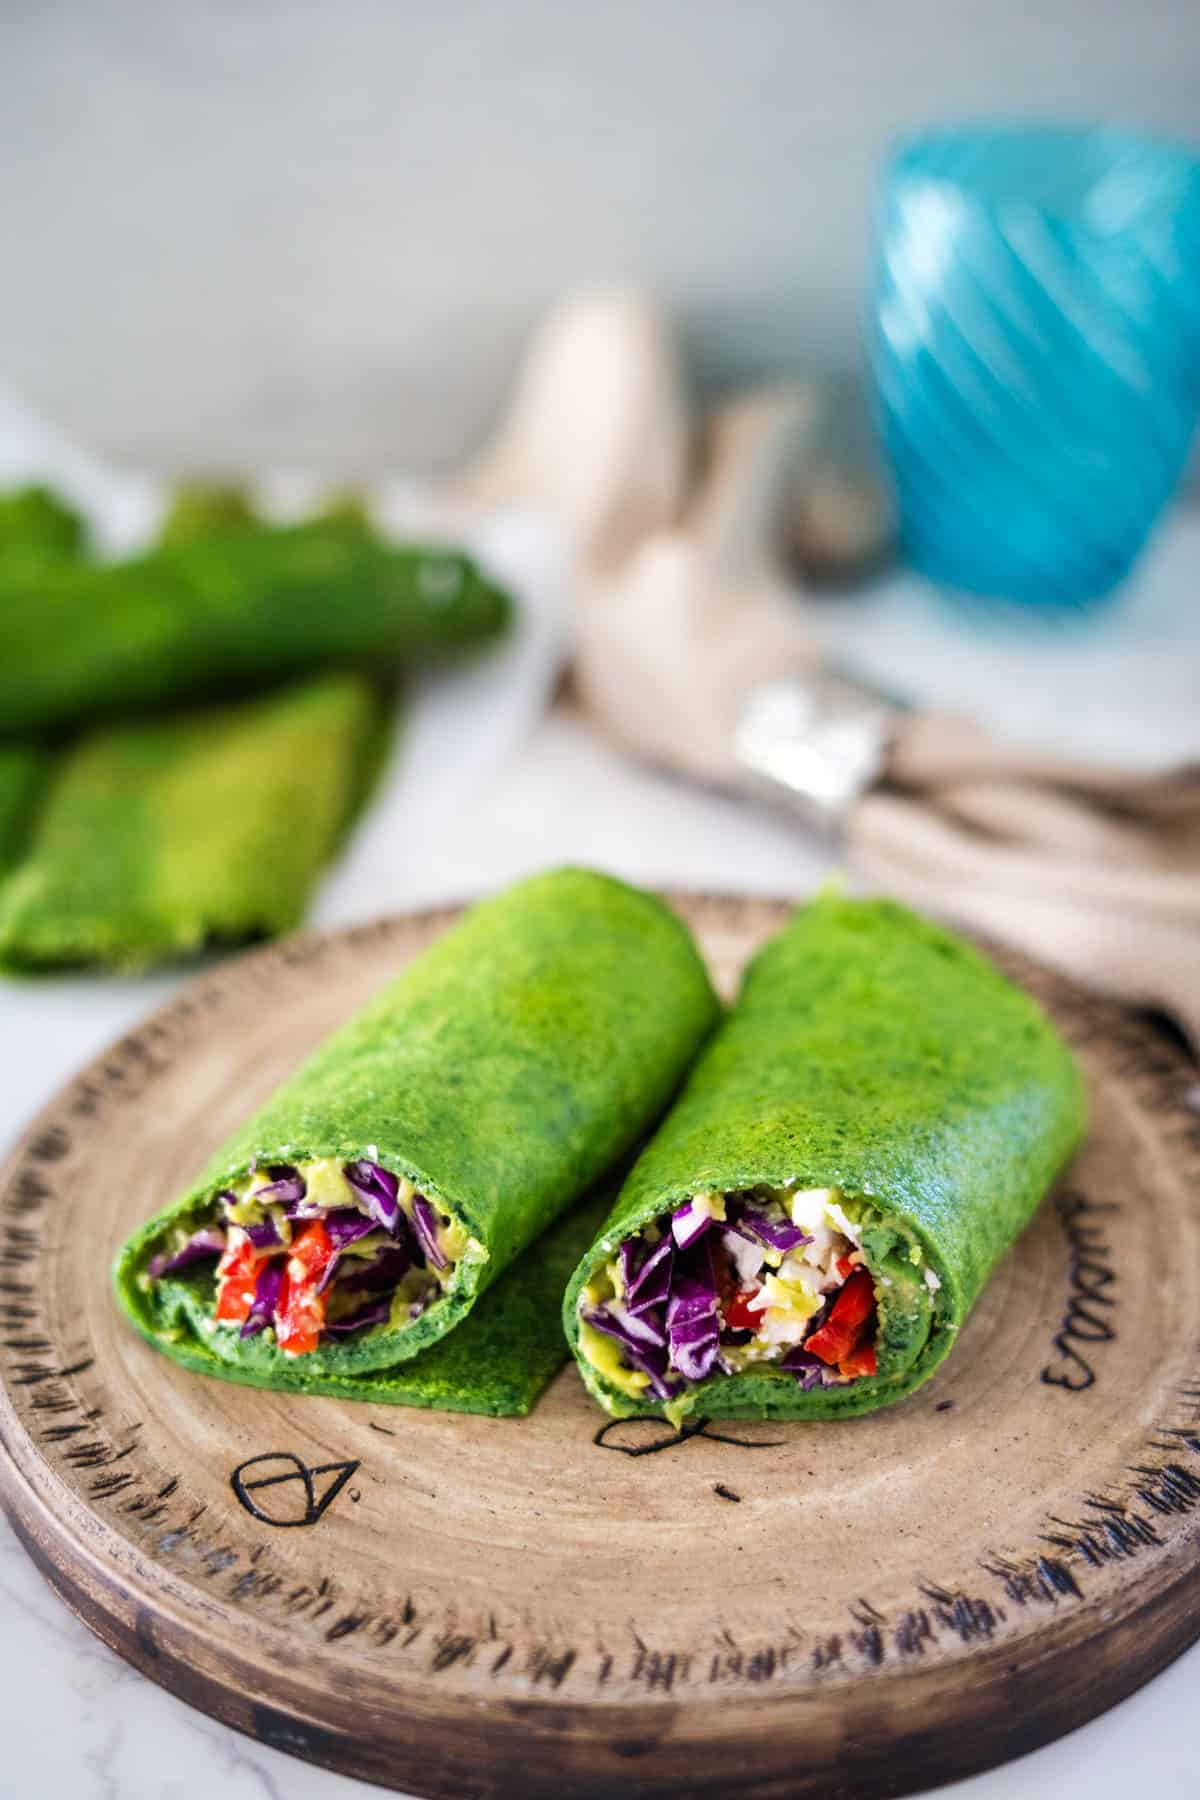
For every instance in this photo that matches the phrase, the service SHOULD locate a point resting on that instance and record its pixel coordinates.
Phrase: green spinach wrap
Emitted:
(153, 838)
(36, 527)
(359, 1216)
(212, 612)
(23, 771)
(496, 1362)
(877, 1119)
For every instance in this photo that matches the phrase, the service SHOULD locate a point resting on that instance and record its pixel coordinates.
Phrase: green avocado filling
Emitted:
(317, 1251)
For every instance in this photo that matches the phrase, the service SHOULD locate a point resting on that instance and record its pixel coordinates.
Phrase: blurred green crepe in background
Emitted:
(131, 832)
(36, 525)
(156, 838)
(23, 770)
(215, 612)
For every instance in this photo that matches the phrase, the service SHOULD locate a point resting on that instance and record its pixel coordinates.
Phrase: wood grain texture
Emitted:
(478, 1607)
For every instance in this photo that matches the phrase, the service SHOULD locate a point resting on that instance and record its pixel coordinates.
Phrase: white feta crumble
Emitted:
(747, 1258)
(834, 1211)
(809, 1206)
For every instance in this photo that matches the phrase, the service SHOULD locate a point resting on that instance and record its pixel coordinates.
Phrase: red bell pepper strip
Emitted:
(236, 1276)
(862, 1361)
(300, 1318)
(740, 1315)
(312, 1250)
(849, 1319)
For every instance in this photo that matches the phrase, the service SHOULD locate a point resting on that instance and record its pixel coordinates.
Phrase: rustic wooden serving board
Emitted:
(480, 1607)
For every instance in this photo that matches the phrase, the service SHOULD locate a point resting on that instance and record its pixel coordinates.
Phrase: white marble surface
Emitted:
(75, 1722)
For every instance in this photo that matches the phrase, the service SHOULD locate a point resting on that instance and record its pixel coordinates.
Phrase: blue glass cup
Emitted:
(1034, 337)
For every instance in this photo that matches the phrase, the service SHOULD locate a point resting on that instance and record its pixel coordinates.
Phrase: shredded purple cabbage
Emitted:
(778, 1236)
(643, 1326)
(693, 1328)
(699, 1264)
(425, 1225)
(695, 1361)
(649, 1359)
(372, 1312)
(265, 1236)
(346, 1225)
(202, 1246)
(631, 1258)
(383, 1271)
(304, 1209)
(267, 1287)
(652, 1283)
(378, 1189)
(687, 1225)
(808, 1369)
(287, 1188)
(690, 1302)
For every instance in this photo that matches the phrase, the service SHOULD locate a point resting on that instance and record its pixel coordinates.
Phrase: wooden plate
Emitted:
(501, 1606)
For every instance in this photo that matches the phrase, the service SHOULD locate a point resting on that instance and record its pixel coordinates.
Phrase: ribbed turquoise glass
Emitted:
(1035, 347)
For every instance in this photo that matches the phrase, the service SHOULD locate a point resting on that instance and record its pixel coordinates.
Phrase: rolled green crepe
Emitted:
(496, 1361)
(156, 838)
(877, 1119)
(358, 1217)
(212, 612)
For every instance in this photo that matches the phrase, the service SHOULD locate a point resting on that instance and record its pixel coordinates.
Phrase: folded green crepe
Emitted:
(36, 528)
(863, 1139)
(23, 770)
(214, 611)
(156, 838)
(358, 1217)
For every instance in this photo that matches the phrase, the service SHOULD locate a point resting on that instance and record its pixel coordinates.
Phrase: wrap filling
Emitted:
(727, 1281)
(318, 1251)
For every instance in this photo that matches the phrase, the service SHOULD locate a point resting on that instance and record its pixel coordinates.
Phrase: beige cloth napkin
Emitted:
(683, 607)
(1091, 869)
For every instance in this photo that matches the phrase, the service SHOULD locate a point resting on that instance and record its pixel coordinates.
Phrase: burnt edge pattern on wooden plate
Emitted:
(1128, 1522)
